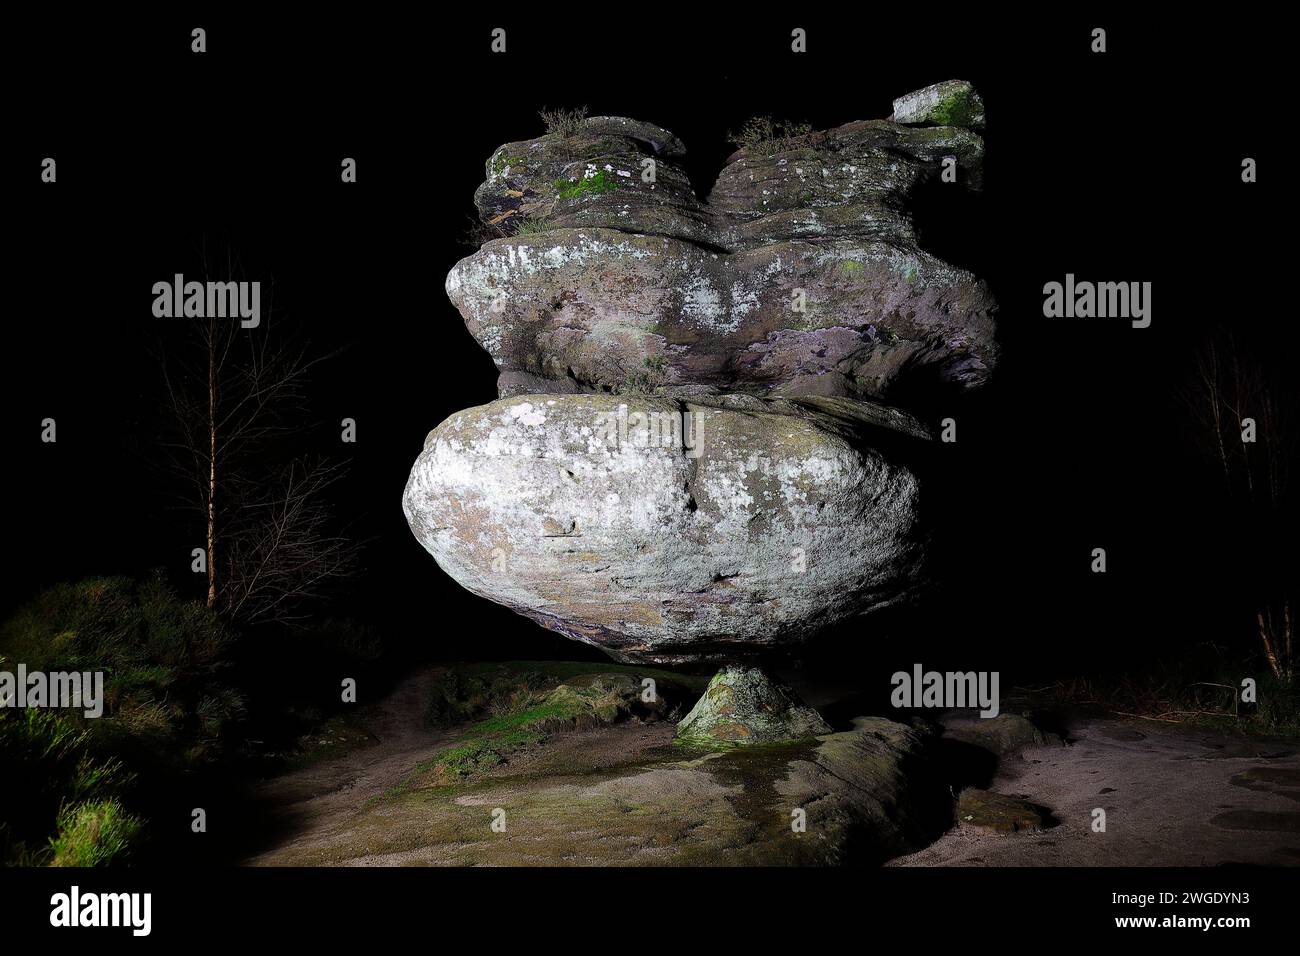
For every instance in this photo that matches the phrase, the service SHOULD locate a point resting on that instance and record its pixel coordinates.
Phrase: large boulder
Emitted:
(672, 531)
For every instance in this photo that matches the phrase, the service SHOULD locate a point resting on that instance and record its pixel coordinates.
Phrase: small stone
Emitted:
(997, 812)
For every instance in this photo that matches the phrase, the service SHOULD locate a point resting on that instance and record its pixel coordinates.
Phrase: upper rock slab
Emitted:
(800, 275)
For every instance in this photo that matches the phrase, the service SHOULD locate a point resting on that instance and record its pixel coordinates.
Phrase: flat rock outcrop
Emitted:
(622, 795)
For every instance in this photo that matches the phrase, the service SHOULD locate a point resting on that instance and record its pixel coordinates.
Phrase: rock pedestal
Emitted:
(741, 706)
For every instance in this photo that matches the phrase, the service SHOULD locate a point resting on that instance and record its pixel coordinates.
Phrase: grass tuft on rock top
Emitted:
(564, 122)
(764, 134)
(531, 226)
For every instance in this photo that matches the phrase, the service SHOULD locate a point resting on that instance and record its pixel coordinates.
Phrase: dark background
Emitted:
(1116, 167)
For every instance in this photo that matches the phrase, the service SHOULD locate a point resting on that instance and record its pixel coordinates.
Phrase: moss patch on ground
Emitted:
(517, 705)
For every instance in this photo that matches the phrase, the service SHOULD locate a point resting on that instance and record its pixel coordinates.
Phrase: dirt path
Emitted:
(1173, 796)
(308, 804)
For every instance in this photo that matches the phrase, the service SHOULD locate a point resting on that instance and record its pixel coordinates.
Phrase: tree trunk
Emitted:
(1278, 650)
(212, 473)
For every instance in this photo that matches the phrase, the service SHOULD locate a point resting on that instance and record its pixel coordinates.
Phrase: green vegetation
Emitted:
(501, 162)
(531, 226)
(165, 710)
(955, 109)
(475, 690)
(600, 182)
(518, 704)
(177, 715)
(162, 658)
(49, 769)
(645, 379)
(93, 834)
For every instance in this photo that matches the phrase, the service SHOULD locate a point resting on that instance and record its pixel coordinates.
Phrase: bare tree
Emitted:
(1248, 425)
(236, 395)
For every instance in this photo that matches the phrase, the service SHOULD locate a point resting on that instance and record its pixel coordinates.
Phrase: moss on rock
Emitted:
(744, 706)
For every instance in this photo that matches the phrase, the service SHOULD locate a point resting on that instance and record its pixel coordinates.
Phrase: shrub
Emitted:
(160, 654)
(767, 135)
(165, 710)
(46, 762)
(563, 121)
(95, 833)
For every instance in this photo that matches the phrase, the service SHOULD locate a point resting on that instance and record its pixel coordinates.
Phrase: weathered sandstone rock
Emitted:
(671, 531)
(800, 274)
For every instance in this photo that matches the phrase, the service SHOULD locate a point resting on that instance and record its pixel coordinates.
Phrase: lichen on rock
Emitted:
(799, 274)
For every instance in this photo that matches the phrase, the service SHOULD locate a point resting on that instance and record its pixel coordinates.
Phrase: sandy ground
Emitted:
(308, 804)
(1172, 795)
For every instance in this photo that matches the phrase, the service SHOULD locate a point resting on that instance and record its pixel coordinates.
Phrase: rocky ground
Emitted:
(584, 772)
(582, 783)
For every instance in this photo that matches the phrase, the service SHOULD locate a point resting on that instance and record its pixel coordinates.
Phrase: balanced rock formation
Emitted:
(691, 458)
